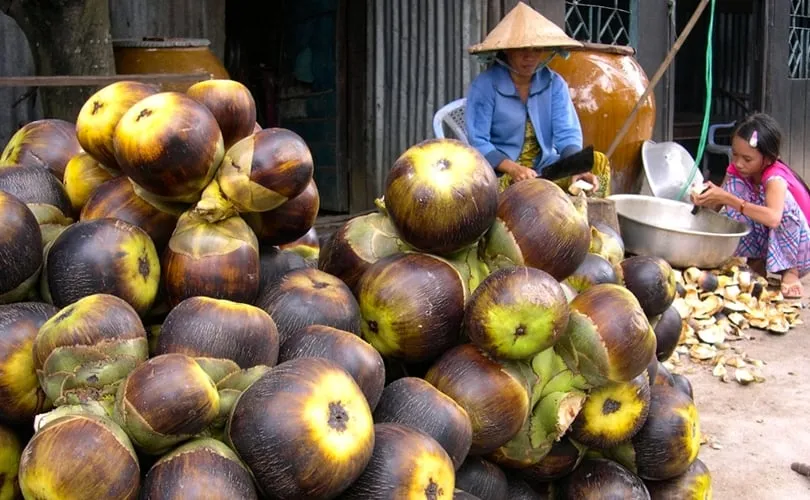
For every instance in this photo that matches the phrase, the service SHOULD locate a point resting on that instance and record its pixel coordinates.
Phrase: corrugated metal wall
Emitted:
(15, 60)
(175, 18)
(128, 18)
(417, 63)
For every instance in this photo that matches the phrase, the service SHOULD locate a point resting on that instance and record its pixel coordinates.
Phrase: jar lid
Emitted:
(160, 42)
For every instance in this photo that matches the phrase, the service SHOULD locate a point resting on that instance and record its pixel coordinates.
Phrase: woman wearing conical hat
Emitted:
(519, 113)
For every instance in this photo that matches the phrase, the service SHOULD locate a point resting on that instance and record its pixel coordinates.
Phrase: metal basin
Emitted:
(667, 229)
(667, 166)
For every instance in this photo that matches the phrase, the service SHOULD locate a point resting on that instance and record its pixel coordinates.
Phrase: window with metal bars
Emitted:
(799, 40)
(602, 21)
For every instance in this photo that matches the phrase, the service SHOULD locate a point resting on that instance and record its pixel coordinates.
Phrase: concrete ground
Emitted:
(756, 431)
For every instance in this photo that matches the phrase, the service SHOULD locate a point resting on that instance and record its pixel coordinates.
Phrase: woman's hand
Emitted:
(517, 171)
(587, 177)
(712, 196)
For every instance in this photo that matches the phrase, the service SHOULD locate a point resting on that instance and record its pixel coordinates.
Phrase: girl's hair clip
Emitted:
(754, 140)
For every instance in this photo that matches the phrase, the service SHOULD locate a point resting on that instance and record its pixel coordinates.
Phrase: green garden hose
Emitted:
(707, 112)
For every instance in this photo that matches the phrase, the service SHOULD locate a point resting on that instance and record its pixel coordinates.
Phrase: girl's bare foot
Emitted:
(791, 285)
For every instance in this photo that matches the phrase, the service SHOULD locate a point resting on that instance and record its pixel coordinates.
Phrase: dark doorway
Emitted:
(290, 54)
(737, 62)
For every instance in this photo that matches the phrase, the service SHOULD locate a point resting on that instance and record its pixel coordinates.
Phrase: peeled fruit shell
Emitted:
(609, 337)
(20, 249)
(414, 402)
(10, 451)
(21, 396)
(120, 198)
(405, 462)
(516, 312)
(212, 259)
(357, 244)
(651, 280)
(170, 145)
(83, 352)
(95, 124)
(80, 456)
(204, 327)
(412, 306)
(316, 404)
(265, 169)
(201, 468)
(492, 393)
(695, 483)
(482, 479)
(48, 143)
(442, 195)
(307, 296)
(613, 413)
(232, 105)
(289, 221)
(354, 354)
(601, 478)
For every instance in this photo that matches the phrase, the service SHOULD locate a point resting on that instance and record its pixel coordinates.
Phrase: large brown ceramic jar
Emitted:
(167, 55)
(606, 81)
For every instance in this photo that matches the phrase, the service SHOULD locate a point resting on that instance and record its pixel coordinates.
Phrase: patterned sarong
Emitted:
(785, 247)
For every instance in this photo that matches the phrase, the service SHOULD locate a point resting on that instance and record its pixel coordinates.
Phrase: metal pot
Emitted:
(667, 229)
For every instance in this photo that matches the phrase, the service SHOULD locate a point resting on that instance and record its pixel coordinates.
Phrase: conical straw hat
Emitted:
(524, 27)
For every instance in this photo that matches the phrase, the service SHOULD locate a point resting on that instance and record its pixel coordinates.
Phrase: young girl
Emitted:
(766, 194)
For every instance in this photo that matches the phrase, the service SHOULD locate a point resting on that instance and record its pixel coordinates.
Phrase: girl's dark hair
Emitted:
(769, 135)
(769, 138)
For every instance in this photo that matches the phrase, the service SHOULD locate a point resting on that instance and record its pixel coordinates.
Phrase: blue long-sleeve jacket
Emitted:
(496, 117)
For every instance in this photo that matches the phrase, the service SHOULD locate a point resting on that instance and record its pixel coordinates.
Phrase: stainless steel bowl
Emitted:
(667, 229)
(667, 166)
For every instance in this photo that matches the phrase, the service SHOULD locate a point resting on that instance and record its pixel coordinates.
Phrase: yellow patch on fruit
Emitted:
(616, 425)
(527, 330)
(338, 417)
(11, 151)
(433, 477)
(701, 486)
(444, 166)
(83, 174)
(140, 268)
(691, 440)
(18, 375)
(377, 329)
(10, 449)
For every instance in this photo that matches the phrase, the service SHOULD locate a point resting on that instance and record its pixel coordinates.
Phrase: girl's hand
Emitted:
(711, 197)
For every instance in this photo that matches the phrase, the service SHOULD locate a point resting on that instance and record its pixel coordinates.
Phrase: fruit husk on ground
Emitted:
(717, 308)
